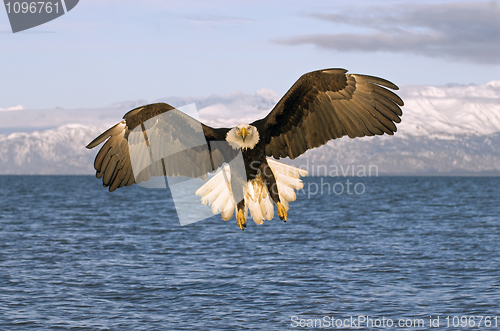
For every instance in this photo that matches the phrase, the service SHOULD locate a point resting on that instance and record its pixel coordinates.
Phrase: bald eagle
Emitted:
(322, 105)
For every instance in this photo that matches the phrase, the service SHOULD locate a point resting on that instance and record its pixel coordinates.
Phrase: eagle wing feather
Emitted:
(149, 131)
(329, 104)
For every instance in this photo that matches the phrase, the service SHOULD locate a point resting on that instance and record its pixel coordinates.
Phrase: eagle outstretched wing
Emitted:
(157, 140)
(328, 104)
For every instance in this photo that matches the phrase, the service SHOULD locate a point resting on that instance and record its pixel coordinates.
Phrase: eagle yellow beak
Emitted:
(243, 132)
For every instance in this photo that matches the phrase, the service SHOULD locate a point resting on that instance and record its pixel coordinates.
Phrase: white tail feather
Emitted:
(255, 211)
(287, 192)
(217, 193)
(267, 208)
(212, 183)
(213, 195)
(288, 180)
(220, 203)
(285, 169)
(284, 202)
(291, 182)
(258, 201)
(228, 210)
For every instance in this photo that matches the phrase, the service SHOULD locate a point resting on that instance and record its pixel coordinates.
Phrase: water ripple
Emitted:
(77, 257)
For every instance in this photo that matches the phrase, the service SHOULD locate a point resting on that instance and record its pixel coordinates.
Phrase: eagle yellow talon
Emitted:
(240, 219)
(281, 211)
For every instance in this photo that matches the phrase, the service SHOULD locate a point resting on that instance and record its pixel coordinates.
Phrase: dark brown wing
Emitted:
(329, 104)
(157, 140)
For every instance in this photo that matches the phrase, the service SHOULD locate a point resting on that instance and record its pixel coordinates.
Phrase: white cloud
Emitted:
(460, 31)
(15, 108)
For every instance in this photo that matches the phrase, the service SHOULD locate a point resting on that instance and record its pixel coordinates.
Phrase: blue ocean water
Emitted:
(75, 257)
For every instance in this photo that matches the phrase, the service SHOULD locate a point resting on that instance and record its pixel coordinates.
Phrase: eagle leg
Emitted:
(272, 187)
(281, 211)
(241, 220)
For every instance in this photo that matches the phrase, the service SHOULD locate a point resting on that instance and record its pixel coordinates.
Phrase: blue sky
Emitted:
(110, 51)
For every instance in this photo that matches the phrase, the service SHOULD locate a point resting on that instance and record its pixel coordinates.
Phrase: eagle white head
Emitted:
(243, 136)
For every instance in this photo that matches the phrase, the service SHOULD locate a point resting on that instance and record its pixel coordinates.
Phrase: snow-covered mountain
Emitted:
(445, 130)
(452, 109)
(58, 151)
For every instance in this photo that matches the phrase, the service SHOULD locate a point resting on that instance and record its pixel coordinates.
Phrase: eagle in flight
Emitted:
(322, 105)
